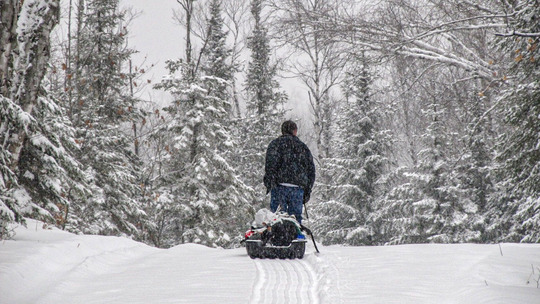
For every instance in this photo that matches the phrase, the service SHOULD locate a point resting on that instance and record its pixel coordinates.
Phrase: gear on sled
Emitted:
(276, 235)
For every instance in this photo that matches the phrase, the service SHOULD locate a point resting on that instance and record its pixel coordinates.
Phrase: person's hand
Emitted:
(306, 197)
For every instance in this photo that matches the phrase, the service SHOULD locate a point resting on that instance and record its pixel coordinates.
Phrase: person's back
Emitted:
(289, 171)
(292, 161)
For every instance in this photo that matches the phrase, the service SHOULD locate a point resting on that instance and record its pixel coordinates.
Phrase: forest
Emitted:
(424, 119)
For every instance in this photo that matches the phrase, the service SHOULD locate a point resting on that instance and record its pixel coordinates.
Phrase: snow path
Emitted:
(285, 281)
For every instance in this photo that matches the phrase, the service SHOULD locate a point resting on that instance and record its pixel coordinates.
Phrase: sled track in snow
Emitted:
(285, 281)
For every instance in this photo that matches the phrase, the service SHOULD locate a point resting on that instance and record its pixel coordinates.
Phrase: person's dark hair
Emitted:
(288, 127)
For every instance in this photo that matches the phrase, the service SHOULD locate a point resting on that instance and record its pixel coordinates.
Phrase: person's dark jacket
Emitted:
(288, 160)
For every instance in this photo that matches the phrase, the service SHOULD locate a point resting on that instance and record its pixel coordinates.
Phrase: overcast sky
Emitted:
(155, 36)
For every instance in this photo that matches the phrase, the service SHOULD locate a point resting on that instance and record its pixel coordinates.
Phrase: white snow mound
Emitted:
(47, 265)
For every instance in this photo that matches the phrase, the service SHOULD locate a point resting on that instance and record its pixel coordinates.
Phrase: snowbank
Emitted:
(46, 265)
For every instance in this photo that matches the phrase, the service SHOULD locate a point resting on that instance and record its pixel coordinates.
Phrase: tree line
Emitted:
(424, 119)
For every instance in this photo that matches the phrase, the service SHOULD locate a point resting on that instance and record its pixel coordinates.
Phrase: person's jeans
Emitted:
(290, 199)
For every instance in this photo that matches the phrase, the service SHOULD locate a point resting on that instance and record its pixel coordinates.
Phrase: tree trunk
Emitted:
(31, 27)
(9, 12)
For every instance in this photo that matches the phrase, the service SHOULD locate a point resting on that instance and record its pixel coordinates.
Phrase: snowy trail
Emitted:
(184, 274)
(285, 281)
(48, 266)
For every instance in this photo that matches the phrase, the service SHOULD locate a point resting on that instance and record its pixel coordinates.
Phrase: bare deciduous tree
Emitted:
(319, 58)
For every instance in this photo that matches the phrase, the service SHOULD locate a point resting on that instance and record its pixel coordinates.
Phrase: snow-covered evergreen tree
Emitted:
(473, 166)
(37, 172)
(432, 214)
(515, 211)
(264, 105)
(427, 204)
(12, 204)
(51, 171)
(210, 201)
(101, 106)
(357, 164)
(216, 54)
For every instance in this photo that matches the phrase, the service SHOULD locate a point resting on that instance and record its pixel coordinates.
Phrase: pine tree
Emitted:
(216, 54)
(102, 106)
(439, 192)
(211, 201)
(432, 213)
(51, 169)
(357, 165)
(472, 168)
(428, 204)
(169, 213)
(264, 105)
(515, 209)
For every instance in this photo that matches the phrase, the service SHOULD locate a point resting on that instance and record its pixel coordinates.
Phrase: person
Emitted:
(289, 172)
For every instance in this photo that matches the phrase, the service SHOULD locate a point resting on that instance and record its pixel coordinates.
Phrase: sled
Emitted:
(257, 249)
(275, 235)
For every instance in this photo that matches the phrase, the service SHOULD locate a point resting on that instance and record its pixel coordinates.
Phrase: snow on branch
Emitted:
(519, 34)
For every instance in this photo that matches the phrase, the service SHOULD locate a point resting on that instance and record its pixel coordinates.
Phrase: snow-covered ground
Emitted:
(53, 266)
